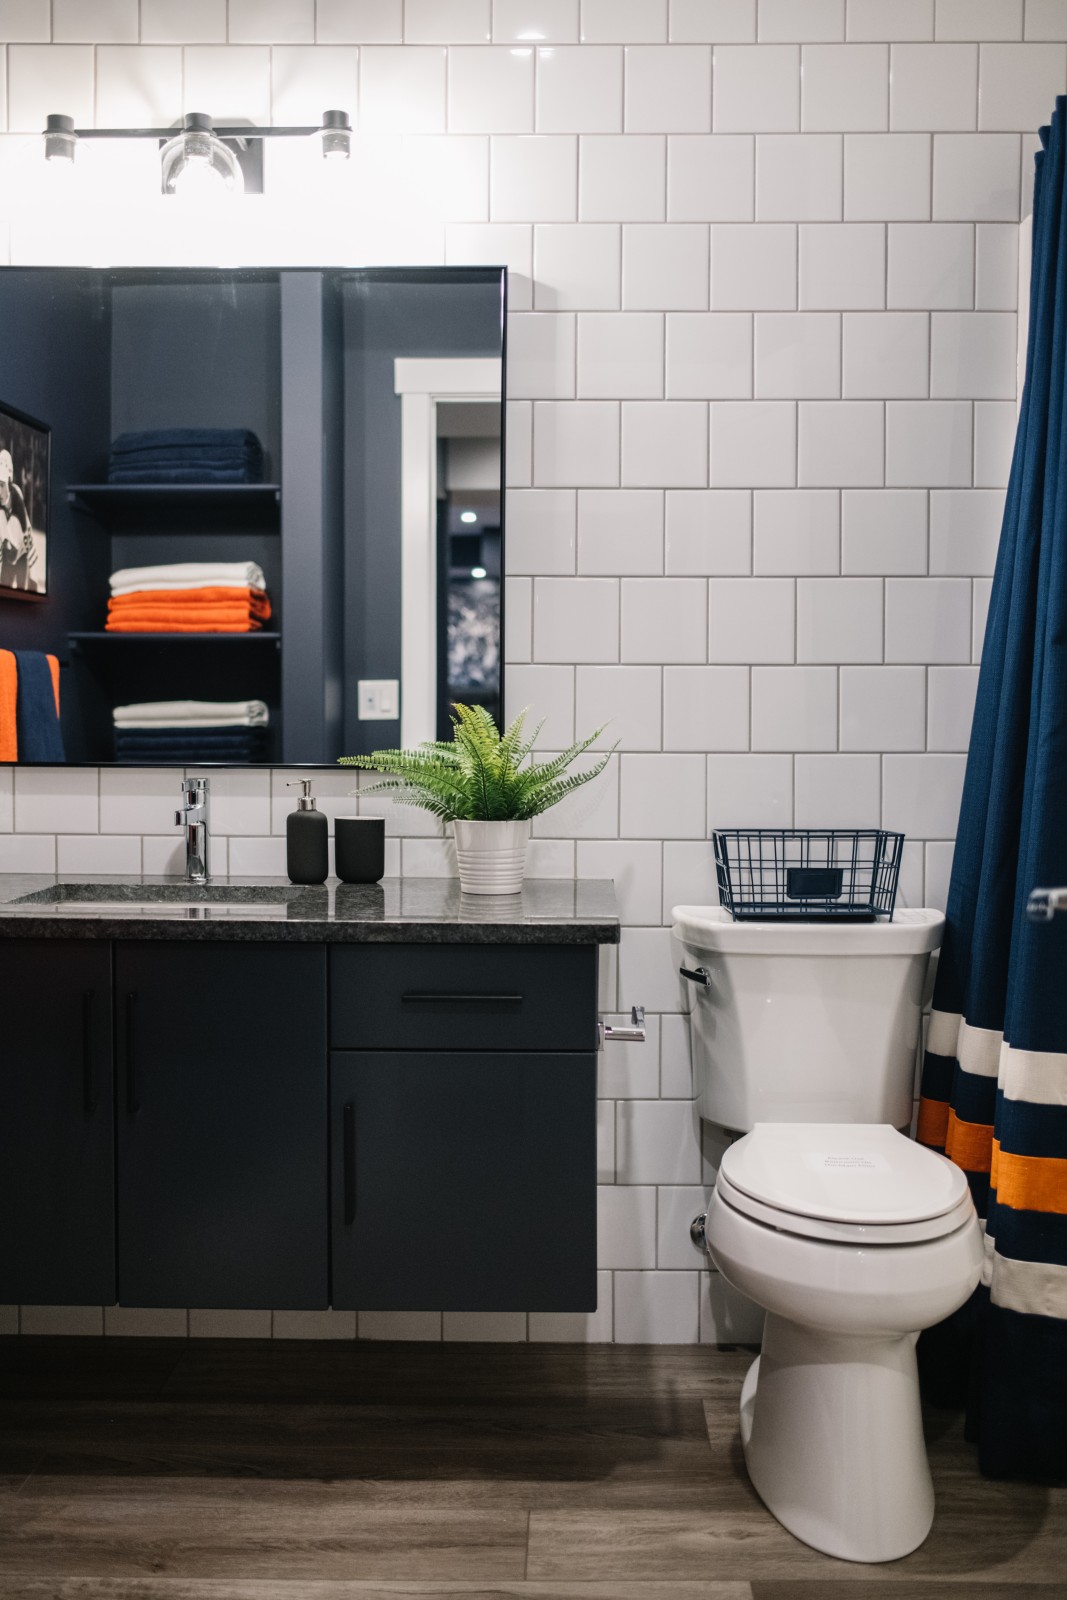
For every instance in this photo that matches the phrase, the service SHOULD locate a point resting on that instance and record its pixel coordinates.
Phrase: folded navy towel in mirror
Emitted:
(186, 455)
(186, 746)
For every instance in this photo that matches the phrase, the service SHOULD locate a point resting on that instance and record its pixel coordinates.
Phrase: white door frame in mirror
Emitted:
(422, 384)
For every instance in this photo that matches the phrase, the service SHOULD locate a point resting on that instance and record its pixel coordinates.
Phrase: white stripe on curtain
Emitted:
(943, 1033)
(1038, 1288)
(989, 1247)
(978, 1050)
(1039, 1076)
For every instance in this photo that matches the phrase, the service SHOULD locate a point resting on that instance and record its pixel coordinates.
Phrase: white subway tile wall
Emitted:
(762, 368)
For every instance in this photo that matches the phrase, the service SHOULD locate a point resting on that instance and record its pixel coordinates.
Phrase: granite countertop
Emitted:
(396, 911)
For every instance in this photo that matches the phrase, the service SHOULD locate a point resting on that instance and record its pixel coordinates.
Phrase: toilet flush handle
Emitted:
(701, 975)
(634, 1034)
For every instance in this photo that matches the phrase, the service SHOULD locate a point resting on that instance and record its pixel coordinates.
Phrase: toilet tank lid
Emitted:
(843, 1172)
(913, 931)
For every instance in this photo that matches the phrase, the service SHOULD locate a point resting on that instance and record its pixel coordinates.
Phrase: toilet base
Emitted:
(832, 1433)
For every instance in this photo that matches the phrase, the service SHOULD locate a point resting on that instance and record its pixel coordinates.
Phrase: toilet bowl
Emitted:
(853, 1239)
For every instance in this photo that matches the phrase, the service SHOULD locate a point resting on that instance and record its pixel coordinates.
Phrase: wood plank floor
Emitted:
(157, 1470)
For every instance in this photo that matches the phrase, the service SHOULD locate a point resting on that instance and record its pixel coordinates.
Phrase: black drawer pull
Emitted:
(133, 1098)
(349, 1154)
(490, 1002)
(89, 1100)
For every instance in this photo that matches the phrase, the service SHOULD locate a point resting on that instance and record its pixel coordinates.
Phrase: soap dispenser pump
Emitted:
(307, 847)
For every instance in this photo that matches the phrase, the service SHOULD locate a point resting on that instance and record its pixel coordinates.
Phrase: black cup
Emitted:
(359, 849)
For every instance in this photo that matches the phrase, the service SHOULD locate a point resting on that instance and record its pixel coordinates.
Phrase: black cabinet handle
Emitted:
(494, 1002)
(350, 1163)
(133, 1098)
(89, 1100)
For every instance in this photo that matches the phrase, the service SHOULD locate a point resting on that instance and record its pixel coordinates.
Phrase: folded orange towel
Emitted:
(125, 625)
(230, 595)
(220, 610)
(185, 614)
(9, 689)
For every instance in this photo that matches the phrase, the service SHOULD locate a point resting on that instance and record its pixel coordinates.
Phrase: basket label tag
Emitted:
(845, 1161)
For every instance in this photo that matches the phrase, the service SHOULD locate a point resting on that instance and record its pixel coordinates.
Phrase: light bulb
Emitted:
(468, 516)
(197, 176)
(478, 572)
(336, 136)
(196, 164)
(60, 140)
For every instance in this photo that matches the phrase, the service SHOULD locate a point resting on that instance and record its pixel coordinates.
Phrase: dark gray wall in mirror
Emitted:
(305, 358)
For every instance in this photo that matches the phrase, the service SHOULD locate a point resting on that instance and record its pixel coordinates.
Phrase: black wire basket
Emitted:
(808, 874)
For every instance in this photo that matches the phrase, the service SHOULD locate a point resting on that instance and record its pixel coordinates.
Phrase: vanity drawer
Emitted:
(463, 997)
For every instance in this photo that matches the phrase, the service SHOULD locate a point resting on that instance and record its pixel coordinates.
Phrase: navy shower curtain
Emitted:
(994, 1088)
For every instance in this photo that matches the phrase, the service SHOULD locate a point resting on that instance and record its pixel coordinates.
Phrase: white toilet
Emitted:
(851, 1237)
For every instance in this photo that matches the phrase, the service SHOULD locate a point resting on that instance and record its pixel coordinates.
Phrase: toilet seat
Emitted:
(858, 1184)
(854, 1233)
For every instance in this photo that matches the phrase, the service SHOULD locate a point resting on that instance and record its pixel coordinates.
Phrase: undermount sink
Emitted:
(167, 899)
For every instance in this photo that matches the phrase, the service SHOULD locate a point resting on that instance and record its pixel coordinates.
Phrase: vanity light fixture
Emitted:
(198, 156)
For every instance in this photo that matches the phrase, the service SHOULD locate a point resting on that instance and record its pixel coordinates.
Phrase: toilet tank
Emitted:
(805, 1021)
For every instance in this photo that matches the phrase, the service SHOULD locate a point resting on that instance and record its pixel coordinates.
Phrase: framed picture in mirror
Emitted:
(24, 473)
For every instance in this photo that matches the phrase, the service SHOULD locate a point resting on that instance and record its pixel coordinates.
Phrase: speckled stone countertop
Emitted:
(396, 911)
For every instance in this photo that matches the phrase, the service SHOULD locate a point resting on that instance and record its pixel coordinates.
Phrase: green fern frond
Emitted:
(481, 774)
(551, 794)
(546, 771)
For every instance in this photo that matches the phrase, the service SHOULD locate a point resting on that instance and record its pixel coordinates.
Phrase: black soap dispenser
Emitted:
(307, 839)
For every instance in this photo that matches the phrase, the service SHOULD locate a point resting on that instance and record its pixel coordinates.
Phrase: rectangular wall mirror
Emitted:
(375, 516)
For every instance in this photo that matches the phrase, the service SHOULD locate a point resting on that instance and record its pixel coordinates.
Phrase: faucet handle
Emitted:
(195, 793)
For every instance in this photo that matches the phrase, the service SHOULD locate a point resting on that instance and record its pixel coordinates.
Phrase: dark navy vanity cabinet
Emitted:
(330, 1109)
(57, 1150)
(463, 1128)
(221, 1105)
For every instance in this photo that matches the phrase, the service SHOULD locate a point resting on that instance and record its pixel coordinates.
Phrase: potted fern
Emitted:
(485, 783)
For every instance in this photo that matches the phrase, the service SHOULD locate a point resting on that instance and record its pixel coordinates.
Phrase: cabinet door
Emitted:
(464, 1182)
(221, 1110)
(57, 1237)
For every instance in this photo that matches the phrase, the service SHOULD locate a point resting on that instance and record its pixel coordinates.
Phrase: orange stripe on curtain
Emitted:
(933, 1122)
(1030, 1183)
(53, 667)
(969, 1144)
(9, 689)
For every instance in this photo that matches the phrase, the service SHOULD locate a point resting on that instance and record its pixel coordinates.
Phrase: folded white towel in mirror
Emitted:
(189, 575)
(192, 714)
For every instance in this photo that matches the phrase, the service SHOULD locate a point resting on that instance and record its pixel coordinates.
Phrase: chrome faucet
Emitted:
(193, 818)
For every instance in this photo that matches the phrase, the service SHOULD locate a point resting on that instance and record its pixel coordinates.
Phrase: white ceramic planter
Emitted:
(491, 856)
